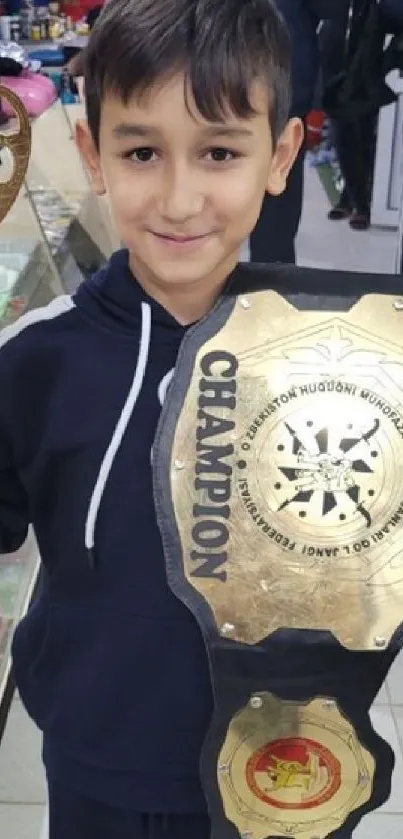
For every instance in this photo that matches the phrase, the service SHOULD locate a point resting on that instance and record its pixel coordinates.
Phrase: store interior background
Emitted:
(58, 231)
(320, 243)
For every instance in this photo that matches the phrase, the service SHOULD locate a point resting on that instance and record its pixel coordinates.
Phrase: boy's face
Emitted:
(185, 193)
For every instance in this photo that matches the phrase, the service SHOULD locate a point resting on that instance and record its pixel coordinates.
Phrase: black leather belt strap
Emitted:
(265, 515)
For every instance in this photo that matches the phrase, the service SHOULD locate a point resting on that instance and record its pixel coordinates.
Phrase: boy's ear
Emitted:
(287, 148)
(90, 156)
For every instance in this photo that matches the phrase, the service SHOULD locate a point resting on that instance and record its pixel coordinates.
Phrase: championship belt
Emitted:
(277, 480)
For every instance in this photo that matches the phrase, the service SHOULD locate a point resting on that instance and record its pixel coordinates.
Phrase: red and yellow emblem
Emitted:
(294, 773)
(292, 770)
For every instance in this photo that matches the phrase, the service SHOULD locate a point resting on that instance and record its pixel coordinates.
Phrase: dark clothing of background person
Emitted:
(273, 237)
(354, 70)
(353, 137)
(76, 60)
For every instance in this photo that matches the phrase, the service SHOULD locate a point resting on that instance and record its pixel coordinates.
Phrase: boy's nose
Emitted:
(181, 197)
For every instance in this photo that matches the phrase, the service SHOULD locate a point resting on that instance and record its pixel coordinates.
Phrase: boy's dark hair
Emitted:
(222, 46)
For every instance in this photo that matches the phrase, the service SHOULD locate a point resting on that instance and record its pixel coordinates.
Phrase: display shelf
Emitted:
(74, 221)
(56, 233)
(27, 275)
(18, 577)
(26, 265)
(23, 268)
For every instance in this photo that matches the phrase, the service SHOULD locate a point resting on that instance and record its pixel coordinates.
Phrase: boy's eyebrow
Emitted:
(228, 131)
(130, 130)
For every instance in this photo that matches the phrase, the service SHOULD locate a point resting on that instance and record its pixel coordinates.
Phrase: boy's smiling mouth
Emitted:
(179, 240)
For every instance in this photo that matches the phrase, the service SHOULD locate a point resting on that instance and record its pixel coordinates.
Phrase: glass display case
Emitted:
(56, 234)
(18, 577)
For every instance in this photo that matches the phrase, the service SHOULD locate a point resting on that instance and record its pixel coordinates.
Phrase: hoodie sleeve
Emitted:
(14, 515)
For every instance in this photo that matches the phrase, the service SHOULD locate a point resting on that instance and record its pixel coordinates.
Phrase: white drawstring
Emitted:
(164, 385)
(119, 432)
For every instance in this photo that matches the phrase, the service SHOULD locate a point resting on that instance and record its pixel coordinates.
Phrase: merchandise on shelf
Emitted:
(40, 23)
(37, 92)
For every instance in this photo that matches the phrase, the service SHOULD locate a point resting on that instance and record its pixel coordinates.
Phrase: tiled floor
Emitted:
(22, 784)
(22, 788)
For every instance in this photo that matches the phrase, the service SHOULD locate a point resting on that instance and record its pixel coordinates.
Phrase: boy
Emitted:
(187, 105)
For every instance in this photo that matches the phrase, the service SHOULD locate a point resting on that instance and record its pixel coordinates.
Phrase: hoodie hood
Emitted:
(114, 297)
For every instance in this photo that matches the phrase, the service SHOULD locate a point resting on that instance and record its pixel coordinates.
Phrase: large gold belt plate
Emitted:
(286, 471)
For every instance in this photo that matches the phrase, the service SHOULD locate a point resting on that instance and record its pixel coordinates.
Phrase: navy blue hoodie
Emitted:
(110, 665)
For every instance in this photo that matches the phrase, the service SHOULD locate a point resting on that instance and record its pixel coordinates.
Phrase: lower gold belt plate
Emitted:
(292, 770)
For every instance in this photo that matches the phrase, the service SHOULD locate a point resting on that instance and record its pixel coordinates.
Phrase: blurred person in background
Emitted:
(76, 64)
(273, 239)
(354, 69)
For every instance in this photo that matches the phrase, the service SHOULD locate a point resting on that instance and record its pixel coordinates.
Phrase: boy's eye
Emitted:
(144, 154)
(221, 155)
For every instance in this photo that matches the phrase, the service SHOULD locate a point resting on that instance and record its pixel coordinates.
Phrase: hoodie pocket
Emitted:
(118, 690)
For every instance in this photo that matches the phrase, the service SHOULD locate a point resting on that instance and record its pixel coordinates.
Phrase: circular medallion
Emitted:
(292, 769)
(323, 469)
(293, 773)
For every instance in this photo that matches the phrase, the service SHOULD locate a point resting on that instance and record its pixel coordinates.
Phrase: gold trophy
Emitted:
(19, 144)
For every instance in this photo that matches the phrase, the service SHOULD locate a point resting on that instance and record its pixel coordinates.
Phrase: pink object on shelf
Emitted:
(35, 91)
